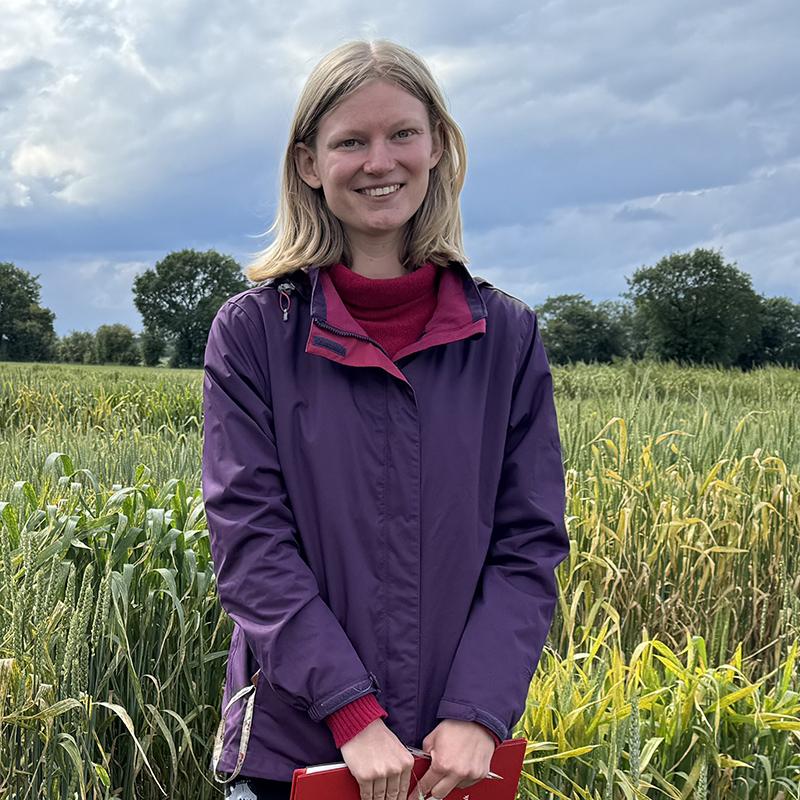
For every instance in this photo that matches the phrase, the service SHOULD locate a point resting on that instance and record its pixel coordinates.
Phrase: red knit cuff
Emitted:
(352, 718)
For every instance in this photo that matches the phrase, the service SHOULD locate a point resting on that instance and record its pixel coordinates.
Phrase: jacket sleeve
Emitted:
(264, 583)
(515, 599)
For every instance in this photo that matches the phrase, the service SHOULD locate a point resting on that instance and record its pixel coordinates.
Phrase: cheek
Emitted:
(420, 168)
(424, 168)
(421, 156)
(340, 173)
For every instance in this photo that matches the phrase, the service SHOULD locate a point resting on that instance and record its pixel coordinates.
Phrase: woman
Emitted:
(382, 469)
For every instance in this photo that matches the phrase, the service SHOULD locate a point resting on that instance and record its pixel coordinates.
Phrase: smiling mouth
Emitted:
(384, 193)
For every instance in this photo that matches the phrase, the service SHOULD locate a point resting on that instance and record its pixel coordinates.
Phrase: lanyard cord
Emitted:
(248, 691)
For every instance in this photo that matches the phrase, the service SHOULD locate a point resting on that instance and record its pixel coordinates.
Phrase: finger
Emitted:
(443, 787)
(393, 787)
(365, 790)
(379, 789)
(405, 781)
(467, 782)
(432, 775)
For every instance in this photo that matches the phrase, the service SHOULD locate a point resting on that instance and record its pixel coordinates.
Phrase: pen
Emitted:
(492, 776)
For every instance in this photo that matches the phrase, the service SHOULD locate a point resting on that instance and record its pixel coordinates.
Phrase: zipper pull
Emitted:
(285, 289)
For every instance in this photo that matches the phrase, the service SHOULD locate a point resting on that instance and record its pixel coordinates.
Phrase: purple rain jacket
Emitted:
(378, 525)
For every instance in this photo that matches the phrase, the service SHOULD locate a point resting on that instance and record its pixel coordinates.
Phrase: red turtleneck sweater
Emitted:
(394, 312)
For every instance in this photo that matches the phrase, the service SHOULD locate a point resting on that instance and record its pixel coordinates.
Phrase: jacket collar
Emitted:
(460, 313)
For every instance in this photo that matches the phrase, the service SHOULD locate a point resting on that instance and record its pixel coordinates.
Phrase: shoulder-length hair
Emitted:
(307, 233)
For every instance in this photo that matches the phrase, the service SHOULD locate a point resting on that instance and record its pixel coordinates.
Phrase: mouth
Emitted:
(395, 187)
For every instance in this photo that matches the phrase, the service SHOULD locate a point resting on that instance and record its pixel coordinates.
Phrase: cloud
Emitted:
(600, 137)
(14, 192)
(592, 248)
(629, 213)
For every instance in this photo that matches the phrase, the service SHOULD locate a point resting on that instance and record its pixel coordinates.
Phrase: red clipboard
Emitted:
(326, 781)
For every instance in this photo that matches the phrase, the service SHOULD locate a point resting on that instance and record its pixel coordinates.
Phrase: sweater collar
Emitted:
(333, 333)
(361, 292)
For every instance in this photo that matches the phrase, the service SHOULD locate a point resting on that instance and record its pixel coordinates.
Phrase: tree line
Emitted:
(689, 308)
(177, 301)
(692, 308)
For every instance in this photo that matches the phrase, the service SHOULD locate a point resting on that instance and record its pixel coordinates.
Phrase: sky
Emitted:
(601, 137)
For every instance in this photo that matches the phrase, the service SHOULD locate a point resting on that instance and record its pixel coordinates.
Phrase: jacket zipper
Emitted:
(286, 287)
(331, 328)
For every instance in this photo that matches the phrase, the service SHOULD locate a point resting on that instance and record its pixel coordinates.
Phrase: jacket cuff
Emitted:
(327, 705)
(453, 709)
(352, 718)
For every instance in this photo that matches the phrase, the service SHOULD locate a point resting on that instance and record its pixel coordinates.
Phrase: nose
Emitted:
(379, 159)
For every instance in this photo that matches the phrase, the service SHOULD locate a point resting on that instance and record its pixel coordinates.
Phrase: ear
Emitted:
(306, 162)
(438, 146)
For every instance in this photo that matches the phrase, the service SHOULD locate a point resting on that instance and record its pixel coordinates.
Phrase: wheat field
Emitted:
(671, 669)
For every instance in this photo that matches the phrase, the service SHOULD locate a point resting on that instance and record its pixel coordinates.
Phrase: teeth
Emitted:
(381, 190)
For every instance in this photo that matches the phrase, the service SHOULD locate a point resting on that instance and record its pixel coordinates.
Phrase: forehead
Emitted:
(377, 106)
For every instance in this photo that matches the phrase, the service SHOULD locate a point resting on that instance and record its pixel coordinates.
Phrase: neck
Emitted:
(377, 259)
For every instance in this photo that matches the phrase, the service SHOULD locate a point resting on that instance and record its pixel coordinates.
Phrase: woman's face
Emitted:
(378, 136)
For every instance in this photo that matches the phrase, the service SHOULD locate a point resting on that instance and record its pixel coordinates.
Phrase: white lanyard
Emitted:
(247, 723)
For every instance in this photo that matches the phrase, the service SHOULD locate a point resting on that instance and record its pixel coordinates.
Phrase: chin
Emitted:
(362, 226)
(382, 230)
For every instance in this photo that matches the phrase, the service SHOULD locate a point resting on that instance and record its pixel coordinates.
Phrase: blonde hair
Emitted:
(307, 231)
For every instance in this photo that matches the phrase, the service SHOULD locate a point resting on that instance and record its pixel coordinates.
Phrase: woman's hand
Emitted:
(461, 754)
(380, 763)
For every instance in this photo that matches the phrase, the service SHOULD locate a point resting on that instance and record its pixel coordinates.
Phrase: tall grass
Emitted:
(109, 420)
(671, 668)
(112, 638)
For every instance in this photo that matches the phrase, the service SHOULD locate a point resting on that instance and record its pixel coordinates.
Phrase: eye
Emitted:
(344, 143)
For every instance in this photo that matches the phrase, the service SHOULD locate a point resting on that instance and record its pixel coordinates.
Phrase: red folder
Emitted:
(326, 781)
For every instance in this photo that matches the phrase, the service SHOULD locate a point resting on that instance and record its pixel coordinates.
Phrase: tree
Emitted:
(26, 328)
(152, 347)
(575, 329)
(780, 331)
(116, 345)
(693, 307)
(622, 316)
(77, 347)
(179, 298)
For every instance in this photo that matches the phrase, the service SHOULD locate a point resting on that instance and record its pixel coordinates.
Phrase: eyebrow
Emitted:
(355, 132)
